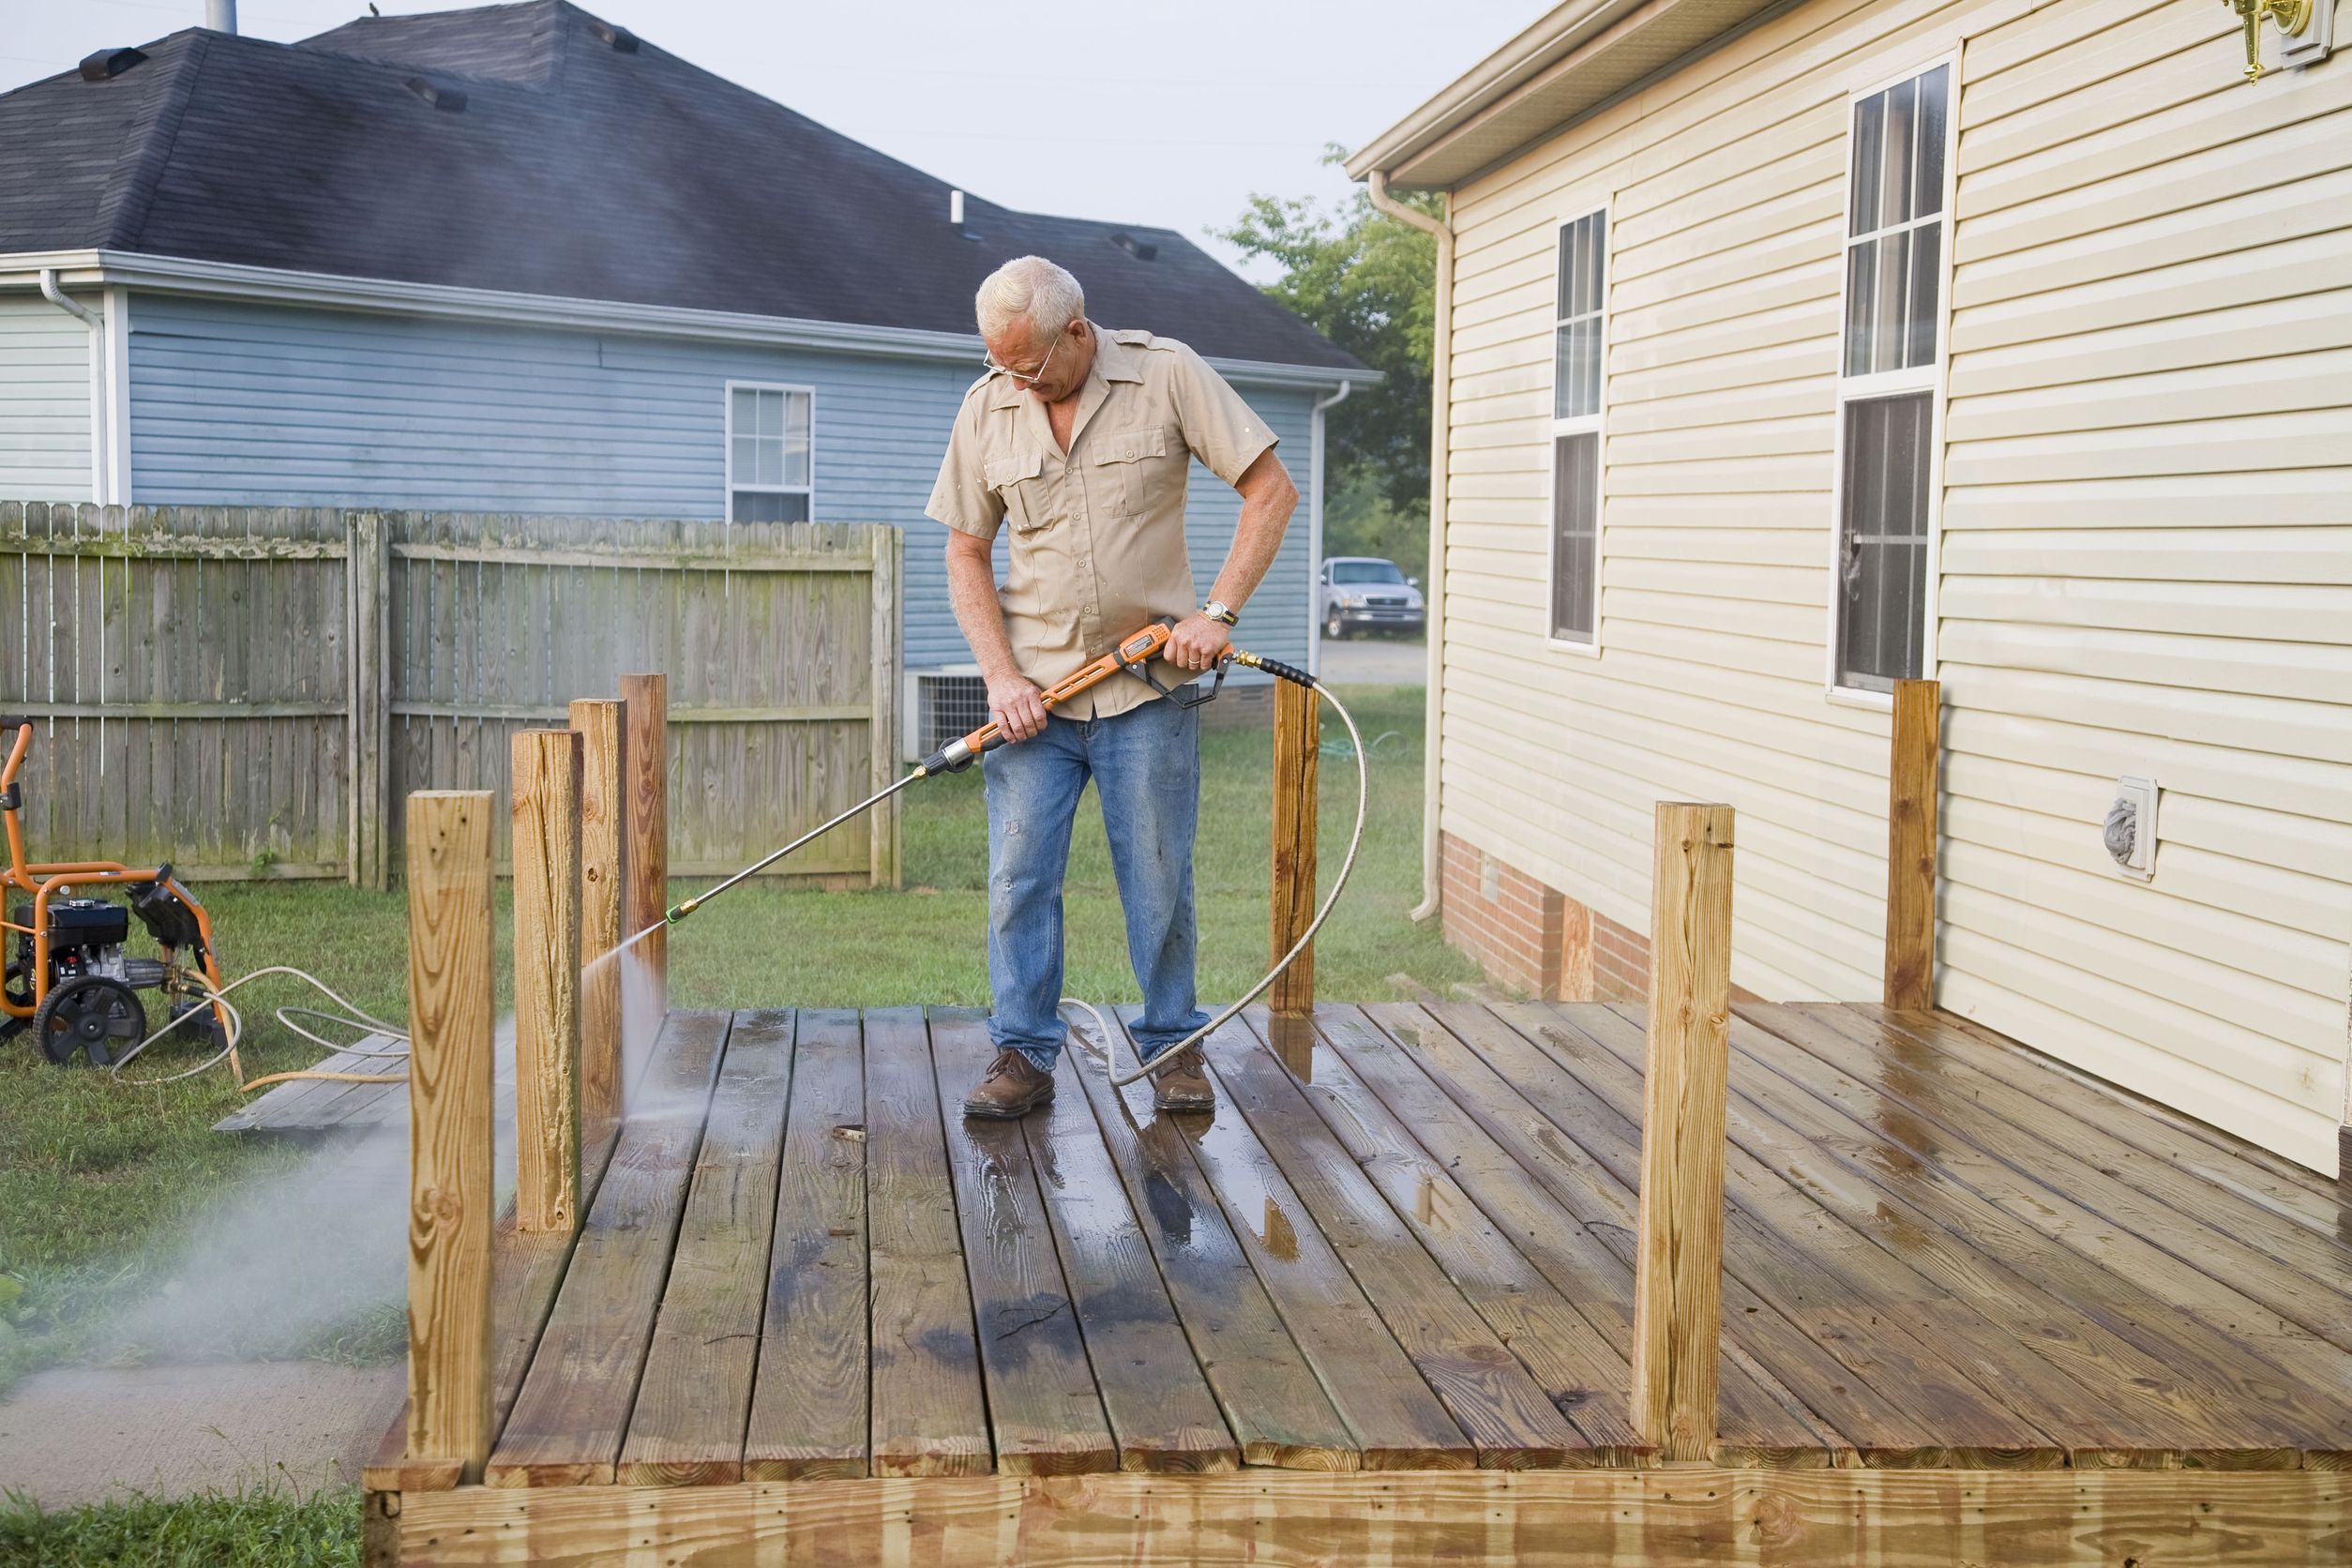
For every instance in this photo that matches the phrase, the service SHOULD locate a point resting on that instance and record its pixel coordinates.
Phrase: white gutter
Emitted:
(280, 286)
(101, 463)
(1315, 527)
(1433, 597)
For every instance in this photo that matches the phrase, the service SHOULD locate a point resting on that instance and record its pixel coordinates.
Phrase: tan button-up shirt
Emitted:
(1098, 533)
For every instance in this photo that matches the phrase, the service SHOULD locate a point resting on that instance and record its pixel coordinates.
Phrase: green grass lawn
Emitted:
(99, 1174)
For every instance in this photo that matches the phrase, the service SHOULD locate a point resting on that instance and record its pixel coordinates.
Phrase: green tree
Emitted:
(1364, 280)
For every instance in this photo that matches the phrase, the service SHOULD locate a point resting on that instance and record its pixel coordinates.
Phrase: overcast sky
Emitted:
(1162, 112)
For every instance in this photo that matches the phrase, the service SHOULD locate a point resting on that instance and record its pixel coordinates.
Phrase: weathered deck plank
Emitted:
(809, 1408)
(1582, 1370)
(1162, 1415)
(2110, 1402)
(1043, 1404)
(1497, 1403)
(1399, 1421)
(686, 1428)
(1403, 1240)
(1857, 1301)
(567, 1424)
(929, 1415)
(1903, 1156)
(1277, 1412)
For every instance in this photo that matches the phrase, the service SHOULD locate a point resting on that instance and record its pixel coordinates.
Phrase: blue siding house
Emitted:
(515, 259)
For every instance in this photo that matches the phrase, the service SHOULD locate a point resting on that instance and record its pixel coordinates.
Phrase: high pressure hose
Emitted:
(1121, 1077)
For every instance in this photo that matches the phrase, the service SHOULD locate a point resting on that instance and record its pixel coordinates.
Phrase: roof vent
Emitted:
(108, 63)
(447, 100)
(1142, 250)
(620, 38)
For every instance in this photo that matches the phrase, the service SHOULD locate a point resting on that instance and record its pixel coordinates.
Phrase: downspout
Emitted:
(1440, 413)
(1315, 527)
(99, 444)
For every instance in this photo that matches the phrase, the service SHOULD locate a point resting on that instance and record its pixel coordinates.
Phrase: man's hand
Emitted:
(1197, 643)
(1016, 705)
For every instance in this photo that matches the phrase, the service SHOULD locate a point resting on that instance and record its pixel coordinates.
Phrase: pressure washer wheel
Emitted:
(94, 1017)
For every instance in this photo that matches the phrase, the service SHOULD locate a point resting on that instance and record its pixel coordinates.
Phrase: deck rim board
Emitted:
(1886, 1297)
(1045, 1405)
(685, 1427)
(2091, 1431)
(1154, 1393)
(1583, 1370)
(572, 1410)
(926, 1412)
(802, 1426)
(1494, 1399)
(2139, 1108)
(2218, 1210)
(1261, 1397)
(1943, 1417)
(1396, 1419)
(1864, 1427)
(2096, 1291)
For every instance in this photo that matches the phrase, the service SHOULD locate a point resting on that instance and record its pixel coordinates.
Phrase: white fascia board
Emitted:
(278, 286)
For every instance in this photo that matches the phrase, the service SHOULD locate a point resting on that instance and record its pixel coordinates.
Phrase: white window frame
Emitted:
(1592, 424)
(727, 425)
(1933, 378)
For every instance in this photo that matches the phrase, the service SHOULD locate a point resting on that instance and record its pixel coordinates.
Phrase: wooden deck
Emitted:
(1408, 1248)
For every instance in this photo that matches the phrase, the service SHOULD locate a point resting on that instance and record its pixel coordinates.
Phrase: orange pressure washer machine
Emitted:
(67, 978)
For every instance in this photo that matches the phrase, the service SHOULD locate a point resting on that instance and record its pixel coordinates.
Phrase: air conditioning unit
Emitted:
(942, 705)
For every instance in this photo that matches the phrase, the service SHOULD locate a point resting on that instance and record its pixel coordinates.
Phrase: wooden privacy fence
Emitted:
(247, 690)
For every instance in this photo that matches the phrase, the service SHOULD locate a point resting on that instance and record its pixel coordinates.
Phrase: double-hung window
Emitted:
(1577, 378)
(767, 453)
(1895, 246)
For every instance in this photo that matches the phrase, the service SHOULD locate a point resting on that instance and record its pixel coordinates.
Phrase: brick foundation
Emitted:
(1534, 939)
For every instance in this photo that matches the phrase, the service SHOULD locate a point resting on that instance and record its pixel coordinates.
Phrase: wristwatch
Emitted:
(1216, 609)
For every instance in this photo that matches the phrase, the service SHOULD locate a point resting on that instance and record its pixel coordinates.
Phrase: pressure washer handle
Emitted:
(1137, 650)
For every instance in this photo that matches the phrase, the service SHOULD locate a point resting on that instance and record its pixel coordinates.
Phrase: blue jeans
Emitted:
(1146, 766)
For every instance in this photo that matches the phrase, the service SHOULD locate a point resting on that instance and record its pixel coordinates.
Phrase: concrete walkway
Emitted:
(1374, 661)
(77, 1435)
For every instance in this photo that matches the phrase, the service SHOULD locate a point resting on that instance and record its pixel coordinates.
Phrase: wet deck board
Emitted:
(1403, 1240)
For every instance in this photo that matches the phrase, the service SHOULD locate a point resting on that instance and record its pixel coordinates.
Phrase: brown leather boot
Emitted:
(1011, 1086)
(1185, 1086)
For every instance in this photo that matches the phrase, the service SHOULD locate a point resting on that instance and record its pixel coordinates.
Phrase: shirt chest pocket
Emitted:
(1017, 480)
(1133, 472)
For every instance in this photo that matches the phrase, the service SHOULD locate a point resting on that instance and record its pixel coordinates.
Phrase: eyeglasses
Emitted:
(1035, 376)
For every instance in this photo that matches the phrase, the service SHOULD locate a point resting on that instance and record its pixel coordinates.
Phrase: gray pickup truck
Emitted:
(1363, 593)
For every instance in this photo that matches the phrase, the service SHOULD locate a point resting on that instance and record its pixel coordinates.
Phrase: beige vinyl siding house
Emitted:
(2120, 455)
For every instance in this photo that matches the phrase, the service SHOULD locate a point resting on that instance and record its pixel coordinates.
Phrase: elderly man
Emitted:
(1080, 439)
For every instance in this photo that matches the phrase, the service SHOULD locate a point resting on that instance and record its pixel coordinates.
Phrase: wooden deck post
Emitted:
(1296, 760)
(546, 786)
(1678, 1275)
(648, 700)
(451, 1177)
(601, 724)
(1912, 768)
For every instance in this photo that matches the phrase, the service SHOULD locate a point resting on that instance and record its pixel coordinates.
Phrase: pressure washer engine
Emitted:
(1133, 656)
(67, 978)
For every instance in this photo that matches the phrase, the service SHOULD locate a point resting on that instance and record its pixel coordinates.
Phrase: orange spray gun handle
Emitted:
(1133, 655)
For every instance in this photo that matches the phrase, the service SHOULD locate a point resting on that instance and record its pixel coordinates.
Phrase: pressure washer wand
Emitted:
(1132, 655)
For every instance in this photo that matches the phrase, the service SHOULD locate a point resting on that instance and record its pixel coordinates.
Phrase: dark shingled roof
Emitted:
(576, 169)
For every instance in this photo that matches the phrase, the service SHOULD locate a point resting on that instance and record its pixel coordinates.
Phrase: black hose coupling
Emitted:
(1275, 668)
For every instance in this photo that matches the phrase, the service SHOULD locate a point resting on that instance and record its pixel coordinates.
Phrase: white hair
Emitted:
(1031, 289)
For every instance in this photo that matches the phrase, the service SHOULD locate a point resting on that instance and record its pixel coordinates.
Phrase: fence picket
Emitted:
(227, 686)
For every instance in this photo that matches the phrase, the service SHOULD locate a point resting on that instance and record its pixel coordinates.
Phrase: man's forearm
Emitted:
(972, 590)
(1268, 499)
